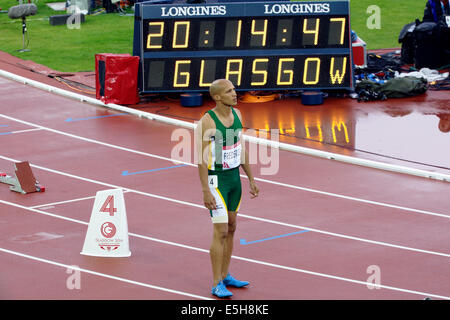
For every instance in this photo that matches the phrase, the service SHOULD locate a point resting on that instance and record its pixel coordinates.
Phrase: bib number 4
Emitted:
(212, 182)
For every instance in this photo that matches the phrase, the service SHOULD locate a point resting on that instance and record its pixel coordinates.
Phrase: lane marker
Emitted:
(35, 237)
(240, 214)
(244, 241)
(244, 176)
(104, 275)
(277, 266)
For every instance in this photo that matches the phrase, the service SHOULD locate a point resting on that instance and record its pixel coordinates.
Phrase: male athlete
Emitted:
(218, 137)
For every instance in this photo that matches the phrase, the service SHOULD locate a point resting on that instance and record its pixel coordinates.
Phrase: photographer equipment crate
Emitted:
(116, 78)
(359, 53)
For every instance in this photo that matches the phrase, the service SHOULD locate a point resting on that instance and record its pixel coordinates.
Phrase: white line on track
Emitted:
(93, 140)
(23, 131)
(268, 264)
(386, 244)
(52, 204)
(137, 283)
(393, 206)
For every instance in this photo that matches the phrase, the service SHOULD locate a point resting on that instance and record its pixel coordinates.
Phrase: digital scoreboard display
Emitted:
(256, 45)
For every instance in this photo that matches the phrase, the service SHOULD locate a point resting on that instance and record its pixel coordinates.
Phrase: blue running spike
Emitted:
(230, 281)
(221, 291)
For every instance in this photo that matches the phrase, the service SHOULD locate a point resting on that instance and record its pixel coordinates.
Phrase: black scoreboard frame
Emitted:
(257, 45)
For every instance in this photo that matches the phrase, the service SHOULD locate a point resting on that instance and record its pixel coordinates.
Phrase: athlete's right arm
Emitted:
(204, 130)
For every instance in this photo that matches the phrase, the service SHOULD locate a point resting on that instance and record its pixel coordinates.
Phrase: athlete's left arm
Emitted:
(245, 164)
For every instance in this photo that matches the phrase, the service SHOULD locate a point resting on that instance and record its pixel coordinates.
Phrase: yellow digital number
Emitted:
(342, 21)
(183, 74)
(262, 33)
(233, 27)
(237, 72)
(288, 72)
(315, 62)
(159, 34)
(259, 72)
(314, 30)
(176, 28)
(238, 33)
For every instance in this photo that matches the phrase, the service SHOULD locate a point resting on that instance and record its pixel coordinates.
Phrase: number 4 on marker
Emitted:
(108, 206)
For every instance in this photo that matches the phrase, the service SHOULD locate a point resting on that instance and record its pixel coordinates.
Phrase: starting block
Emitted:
(24, 181)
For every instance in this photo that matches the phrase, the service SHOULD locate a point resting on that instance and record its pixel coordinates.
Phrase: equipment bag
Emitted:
(406, 38)
(404, 87)
(393, 88)
(430, 39)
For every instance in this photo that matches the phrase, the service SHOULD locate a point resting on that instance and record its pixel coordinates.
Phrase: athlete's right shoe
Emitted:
(221, 291)
(230, 281)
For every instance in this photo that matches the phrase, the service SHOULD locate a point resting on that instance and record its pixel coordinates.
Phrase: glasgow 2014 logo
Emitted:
(108, 229)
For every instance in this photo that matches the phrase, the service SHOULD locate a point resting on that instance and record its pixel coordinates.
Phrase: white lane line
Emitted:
(376, 203)
(104, 275)
(26, 130)
(386, 244)
(53, 204)
(95, 141)
(20, 131)
(259, 262)
(258, 179)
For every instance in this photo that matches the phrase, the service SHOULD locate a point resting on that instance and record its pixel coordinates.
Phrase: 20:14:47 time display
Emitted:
(289, 33)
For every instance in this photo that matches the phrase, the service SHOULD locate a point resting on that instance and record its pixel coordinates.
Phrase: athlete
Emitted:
(221, 153)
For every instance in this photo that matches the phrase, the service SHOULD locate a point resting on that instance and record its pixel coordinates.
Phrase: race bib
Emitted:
(212, 181)
(231, 156)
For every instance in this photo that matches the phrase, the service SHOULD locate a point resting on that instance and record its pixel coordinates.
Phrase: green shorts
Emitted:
(227, 190)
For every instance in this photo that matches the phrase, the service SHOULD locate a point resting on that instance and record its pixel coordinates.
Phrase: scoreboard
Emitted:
(256, 45)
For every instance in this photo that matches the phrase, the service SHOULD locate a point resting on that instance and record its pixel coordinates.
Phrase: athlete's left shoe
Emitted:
(230, 281)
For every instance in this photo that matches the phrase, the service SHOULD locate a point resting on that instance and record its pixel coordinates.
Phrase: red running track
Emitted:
(354, 219)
